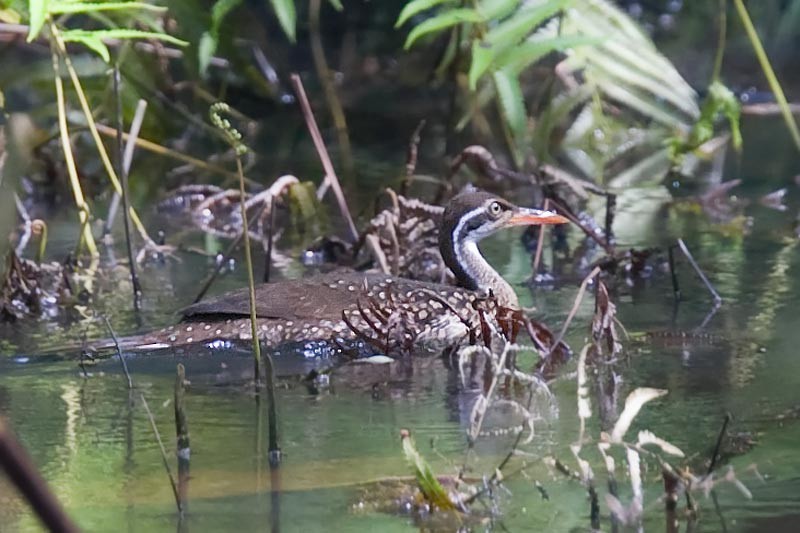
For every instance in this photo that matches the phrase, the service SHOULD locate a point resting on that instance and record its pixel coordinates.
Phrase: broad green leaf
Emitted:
(58, 8)
(417, 6)
(496, 9)
(515, 59)
(633, 98)
(220, 11)
(337, 5)
(209, 41)
(512, 105)
(120, 33)
(440, 22)
(522, 24)
(518, 58)
(284, 10)
(482, 58)
(38, 10)
(91, 42)
(205, 50)
(629, 74)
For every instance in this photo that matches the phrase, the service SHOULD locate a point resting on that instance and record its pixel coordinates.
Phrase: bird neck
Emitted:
(475, 273)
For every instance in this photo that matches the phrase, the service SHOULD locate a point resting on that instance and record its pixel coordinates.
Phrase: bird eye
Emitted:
(495, 208)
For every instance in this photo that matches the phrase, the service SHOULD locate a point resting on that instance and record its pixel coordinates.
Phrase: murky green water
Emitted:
(93, 442)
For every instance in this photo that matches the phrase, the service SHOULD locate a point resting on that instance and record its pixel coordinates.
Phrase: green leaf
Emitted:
(284, 10)
(431, 489)
(505, 36)
(496, 9)
(440, 22)
(482, 58)
(93, 43)
(523, 23)
(209, 41)
(58, 8)
(337, 5)
(38, 10)
(417, 6)
(518, 58)
(205, 50)
(120, 33)
(515, 59)
(9, 16)
(512, 105)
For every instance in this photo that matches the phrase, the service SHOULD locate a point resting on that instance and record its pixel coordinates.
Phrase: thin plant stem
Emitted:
(123, 173)
(101, 149)
(250, 278)
(540, 242)
(270, 238)
(718, 445)
(164, 458)
(324, 74)
(127, 158)
(119, 353)
(721, 40)
(330, 173)
(83, 209)
(234, 138)
(269, 375)
(574, 310)
(225, 256)
(183, 451)
(156, 148)
(700, 273)
(772, 79)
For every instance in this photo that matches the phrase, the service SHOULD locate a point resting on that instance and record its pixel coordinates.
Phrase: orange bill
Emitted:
(535, 217)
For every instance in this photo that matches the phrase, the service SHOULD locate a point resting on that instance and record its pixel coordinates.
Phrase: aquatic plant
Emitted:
(46, 19)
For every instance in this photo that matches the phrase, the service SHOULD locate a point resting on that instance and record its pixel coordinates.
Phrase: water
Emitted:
(92, 440)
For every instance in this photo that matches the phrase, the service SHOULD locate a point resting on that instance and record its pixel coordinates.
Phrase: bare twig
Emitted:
(319, 144)
(574, 310)
(540, 241)
(163, 455)
(127, 160)
(72, 171)
(270, 238)
(19, 468)
(151, 146)
(119, 352)
(609, 249)
(123, 175)
(184, 451)
(676, 289)
(225, 256)
(411, 156)
(611, 207)
(332, 99)
(688, 254)
(715, 455)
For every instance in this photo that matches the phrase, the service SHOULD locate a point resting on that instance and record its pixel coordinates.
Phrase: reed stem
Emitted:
(80, 202)
(772, 79)
(87, 111)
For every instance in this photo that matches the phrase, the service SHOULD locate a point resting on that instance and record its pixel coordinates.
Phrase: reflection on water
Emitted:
(93, 442)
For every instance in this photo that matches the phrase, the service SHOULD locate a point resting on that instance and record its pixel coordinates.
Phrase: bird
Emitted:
(338, 310)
